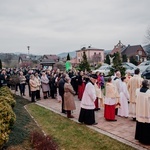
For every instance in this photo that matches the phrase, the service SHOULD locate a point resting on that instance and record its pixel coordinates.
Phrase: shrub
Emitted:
(9, 99)
(7, 119)
(14, 80)
(6, 95)
(41, 142)
(5, 91)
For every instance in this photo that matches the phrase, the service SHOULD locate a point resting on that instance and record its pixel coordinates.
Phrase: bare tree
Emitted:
(59, 65)
(147, 41)
(148, 36)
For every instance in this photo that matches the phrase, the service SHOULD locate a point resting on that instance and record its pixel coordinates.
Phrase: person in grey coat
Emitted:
(45, 84)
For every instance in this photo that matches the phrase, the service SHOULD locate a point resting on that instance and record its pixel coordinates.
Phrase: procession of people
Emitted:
(117, 95)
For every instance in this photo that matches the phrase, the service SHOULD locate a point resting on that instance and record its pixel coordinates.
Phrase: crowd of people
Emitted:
(125, 96)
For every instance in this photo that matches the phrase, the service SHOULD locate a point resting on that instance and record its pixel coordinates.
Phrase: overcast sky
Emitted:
(56, 26)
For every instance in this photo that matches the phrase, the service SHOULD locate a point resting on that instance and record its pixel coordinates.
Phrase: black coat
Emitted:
(61, 86)
(3, 80)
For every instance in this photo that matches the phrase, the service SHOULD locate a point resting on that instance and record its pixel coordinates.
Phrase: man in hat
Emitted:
(87, 115)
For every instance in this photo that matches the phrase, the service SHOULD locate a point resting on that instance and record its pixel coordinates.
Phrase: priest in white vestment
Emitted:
(134, 83)
(142, 133)
(123, 110)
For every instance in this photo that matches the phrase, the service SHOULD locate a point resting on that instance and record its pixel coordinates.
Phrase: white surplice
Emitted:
(123, 110)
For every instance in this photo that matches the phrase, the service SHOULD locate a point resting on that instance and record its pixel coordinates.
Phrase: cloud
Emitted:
(64, 25)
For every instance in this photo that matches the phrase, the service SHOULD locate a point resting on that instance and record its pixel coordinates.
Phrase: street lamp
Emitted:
(28, 49)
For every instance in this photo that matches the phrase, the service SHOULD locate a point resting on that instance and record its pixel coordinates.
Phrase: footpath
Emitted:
(122, 130)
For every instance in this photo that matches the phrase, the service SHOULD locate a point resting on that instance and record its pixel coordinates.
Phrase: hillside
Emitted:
(72, 54)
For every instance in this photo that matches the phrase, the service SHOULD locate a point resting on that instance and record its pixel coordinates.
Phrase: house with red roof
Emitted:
(136, 51)
(26, 60)
(48, 61)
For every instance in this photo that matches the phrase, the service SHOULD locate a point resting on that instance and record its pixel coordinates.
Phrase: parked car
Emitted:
(129, 68)
(146, 73)
(104, 69)
(143, 66)
(129, 64)
(105, 64)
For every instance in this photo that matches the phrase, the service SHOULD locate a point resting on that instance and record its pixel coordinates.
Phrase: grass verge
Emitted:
(70, 135)
(19, 138)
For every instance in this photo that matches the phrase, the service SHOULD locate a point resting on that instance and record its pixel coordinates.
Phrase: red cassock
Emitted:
(109, 112)
(81, 90)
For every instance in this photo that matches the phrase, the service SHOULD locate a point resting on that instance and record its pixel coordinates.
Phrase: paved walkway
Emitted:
(122, 130)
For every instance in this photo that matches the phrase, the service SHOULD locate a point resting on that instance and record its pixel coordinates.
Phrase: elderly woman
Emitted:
(33, 87)
(22, 83)
(38, 80)
(142, 132)
(69, 93)
(45, 85)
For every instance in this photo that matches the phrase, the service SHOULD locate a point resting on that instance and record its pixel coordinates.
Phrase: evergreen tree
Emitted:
(107, 60)
(0, 64)
(133, 60)
(84, 65)
(68, 57)
(124, 58)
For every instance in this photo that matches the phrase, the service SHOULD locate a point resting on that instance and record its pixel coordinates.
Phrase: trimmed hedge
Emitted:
(6, 95)
(5, 91)
(7, 116)
(9, 99)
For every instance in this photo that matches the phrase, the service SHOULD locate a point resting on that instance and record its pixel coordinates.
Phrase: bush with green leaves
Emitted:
(9, 99)
(7, 116)
(5, 91)
(7, 119)
(6, 95)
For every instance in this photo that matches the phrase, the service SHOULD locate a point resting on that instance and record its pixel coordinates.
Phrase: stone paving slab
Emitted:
(122, 130)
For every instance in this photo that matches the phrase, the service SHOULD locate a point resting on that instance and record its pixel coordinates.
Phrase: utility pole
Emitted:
(28, 49)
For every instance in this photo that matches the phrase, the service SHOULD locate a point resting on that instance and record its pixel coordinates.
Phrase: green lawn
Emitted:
(70, 135)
